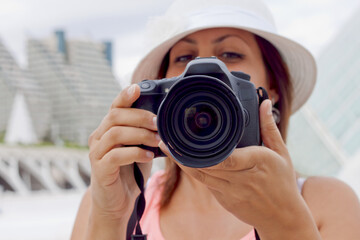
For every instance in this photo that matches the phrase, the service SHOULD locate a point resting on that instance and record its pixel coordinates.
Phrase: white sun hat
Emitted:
(187, 16)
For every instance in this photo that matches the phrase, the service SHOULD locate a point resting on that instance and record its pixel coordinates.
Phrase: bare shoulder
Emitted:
(334, 205)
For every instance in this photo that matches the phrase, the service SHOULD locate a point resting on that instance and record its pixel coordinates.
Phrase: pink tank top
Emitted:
(150, 221)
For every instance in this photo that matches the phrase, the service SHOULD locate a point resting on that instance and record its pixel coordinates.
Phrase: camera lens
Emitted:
(201, 120)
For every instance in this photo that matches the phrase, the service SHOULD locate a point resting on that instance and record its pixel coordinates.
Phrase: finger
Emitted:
(126, 97)
(270, 134)
(127, 117)
(208, 180)
(118, 136)
(241, 159)
(164, 149)
(118, 157)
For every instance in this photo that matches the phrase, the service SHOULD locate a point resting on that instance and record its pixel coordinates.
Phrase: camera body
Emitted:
(204, 113)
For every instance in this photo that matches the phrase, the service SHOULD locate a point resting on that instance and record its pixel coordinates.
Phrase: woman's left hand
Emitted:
(257, 184)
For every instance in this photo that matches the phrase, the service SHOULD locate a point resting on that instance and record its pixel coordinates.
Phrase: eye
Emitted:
(184, 58)
(231, 56)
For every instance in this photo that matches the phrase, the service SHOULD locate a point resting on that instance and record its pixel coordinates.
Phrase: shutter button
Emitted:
(145, 85)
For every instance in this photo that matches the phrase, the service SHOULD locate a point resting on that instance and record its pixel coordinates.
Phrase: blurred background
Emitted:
(62, 63)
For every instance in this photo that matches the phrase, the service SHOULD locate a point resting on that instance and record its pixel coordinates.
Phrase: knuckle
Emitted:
(271, 126)
(110, 157)
(113, 133)
(138, 152)
(201, 176)
(113, 104)
(91, 138)
(278, 147)
(92, 155)
(145, 116)
(144, 134)
(139, 117)
(254, 162)
(117, 99)
(113, 115)
(123, 98)
(228, 163)
(152, 136)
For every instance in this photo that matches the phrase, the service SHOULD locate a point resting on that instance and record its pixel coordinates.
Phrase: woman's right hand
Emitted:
(112, 154)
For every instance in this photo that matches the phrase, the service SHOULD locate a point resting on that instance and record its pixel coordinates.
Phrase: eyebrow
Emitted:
(218, 40)
(188, 40)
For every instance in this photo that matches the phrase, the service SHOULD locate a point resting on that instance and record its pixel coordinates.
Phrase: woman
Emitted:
(256, 186)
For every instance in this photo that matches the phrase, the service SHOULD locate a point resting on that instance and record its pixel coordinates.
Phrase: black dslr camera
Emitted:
(205, 113)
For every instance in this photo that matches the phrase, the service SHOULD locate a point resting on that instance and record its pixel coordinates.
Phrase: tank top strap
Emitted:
(300, 183)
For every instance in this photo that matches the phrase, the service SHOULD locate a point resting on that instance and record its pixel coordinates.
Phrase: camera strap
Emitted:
(262, 93)
(256, 235)
(138, 211)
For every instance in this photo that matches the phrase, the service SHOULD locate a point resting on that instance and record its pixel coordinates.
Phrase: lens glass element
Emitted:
(202, 120)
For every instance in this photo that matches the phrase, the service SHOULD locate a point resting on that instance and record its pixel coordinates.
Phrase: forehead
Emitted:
(214, 33)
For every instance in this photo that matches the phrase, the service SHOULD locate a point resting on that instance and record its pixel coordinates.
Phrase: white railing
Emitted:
(27, 169)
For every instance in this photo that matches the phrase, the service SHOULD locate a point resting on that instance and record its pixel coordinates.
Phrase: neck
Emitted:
(192, 193)
(193, 203)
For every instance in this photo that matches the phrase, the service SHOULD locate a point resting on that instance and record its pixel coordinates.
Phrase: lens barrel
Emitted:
(201, 121)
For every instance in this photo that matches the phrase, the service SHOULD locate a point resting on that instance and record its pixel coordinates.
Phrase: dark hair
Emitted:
(279, 78)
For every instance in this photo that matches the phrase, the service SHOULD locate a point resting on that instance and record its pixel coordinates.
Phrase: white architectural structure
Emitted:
(51, 169)
(350, 173)
(20, 128)
(324, 135)
(15, 80)
(78, 83)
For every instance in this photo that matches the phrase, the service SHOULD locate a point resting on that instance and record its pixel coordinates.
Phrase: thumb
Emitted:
(270, 133)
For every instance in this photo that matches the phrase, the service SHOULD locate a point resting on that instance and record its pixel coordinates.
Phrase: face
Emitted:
(238, 49)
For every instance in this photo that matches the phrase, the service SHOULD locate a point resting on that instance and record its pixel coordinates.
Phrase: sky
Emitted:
(313, 23)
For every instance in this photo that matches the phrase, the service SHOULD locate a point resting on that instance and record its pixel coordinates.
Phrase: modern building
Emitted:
(7, 88)
(18, 83)
(324, 135)
(78, 82)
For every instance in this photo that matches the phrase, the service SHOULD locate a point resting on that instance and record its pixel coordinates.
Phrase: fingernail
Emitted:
(163, 147)
(155, 121)
(269, 111)
(149, 154)
(131, 90)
